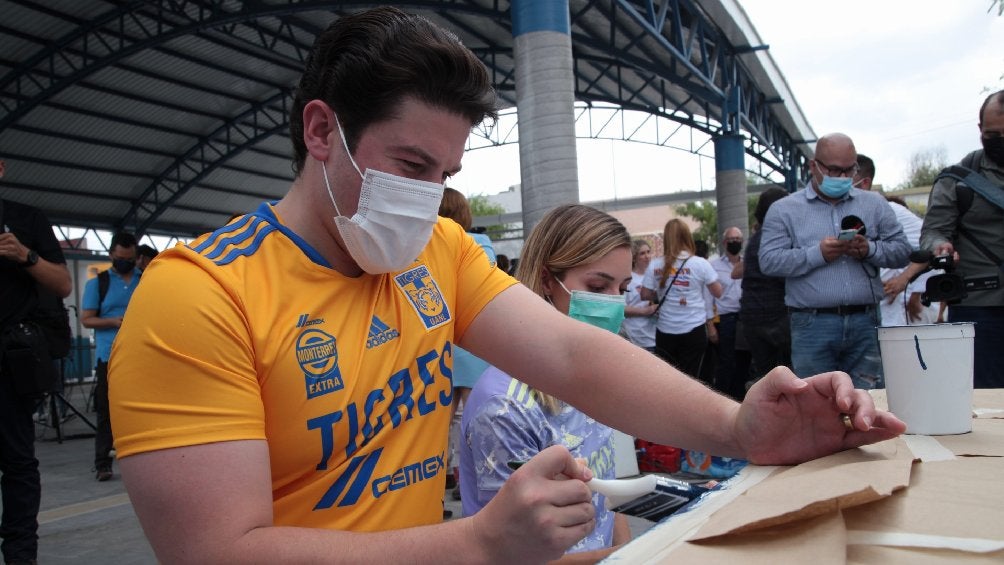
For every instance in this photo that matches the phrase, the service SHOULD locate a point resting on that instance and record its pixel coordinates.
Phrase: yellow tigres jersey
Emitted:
(246, 334)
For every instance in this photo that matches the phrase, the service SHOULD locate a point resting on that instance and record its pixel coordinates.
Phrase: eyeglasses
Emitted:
(836, 171)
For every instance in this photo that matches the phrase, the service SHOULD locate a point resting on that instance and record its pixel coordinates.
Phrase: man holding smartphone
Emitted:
(829, 240)
(31, 266)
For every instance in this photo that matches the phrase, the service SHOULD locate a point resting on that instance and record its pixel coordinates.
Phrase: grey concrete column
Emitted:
(730, 184)
(545, 98)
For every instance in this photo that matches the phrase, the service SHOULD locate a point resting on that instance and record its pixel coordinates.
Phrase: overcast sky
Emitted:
(898, 76)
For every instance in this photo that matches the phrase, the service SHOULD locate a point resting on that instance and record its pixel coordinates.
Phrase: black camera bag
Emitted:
(55, 325)
(25, 359)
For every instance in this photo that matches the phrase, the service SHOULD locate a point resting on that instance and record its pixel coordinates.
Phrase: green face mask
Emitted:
(601, 310)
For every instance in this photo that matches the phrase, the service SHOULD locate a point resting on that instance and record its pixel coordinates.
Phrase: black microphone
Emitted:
(853, 223)
(921, 256)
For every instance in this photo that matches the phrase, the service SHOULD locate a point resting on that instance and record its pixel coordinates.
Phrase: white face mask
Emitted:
(393, 222)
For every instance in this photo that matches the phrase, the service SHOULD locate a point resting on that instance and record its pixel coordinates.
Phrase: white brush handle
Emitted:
(625, 490)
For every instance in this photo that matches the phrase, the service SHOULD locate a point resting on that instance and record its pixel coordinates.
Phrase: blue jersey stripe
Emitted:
(336, 488)
(377, 326)
(235, 240)
(248, 250)
(220, 232)
(362, 479)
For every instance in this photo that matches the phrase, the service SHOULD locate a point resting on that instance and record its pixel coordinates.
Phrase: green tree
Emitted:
(481, 206)
(705, 213)
(924, 167)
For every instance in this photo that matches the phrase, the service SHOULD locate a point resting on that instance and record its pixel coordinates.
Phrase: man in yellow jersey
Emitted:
(281, 387)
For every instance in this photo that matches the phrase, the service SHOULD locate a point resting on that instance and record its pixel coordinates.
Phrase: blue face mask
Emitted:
(601, 310)
(836, 187)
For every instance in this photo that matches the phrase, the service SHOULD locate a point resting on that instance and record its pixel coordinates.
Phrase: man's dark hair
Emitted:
(146, 251)
(768, 197)
(363, 65)
(998, 98)
(702, 248)
(866, 167)
(897, 199)
(123, 239)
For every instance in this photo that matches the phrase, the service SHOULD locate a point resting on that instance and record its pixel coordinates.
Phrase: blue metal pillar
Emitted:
(545, 97)
(730, 184)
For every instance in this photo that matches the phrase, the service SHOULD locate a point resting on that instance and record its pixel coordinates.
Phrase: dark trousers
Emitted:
(770, 345)
(988, 366)
(21, 483)
(733, 365)
(103, 435)
(683, 351)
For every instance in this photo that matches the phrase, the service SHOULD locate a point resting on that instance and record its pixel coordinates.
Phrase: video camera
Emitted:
(949, 287)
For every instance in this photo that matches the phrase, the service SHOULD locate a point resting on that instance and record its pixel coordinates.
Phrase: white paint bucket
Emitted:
(929, 376)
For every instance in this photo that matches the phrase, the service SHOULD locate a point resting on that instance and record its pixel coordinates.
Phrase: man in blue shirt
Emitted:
(104, 315)
(832, 279)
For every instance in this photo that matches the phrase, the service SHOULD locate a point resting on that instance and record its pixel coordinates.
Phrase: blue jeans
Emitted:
(831, 342)
(988, 360)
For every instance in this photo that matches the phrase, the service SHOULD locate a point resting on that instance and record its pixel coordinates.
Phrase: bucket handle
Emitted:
(920, 357)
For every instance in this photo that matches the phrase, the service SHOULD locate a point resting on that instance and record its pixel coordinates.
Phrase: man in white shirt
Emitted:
(902, 305)
(733, 366)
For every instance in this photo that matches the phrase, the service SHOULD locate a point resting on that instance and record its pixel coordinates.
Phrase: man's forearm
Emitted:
(790, 262)
(96, 323)
(54, 277)
(694, 415)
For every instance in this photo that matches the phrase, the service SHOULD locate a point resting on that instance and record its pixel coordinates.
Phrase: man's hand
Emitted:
(786, 420)
(641, 311)
(857, 248)
(946, 249)
(11, 248)
(737, 269)
(541, 511)
(892, 287)
(832, 248)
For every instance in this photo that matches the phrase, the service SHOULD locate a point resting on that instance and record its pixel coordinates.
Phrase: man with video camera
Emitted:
(965, 225)
(31, 263)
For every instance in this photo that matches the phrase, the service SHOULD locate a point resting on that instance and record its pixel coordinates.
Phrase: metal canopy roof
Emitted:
(166, 117)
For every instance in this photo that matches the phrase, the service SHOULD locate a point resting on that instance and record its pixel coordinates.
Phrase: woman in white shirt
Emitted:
(639, 321)
(681, 336)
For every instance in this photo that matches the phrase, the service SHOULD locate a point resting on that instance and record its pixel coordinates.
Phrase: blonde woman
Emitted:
(639, 313)
(676, 280)
(579, 260)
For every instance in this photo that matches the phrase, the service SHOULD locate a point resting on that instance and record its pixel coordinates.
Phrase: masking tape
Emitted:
(972, 545)
(927, 449)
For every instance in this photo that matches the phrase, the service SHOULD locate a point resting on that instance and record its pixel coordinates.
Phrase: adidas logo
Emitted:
(380, 333)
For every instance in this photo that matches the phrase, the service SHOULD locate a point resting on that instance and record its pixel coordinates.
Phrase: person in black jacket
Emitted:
(30, 261)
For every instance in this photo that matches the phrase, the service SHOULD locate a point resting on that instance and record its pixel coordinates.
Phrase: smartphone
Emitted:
(846, 235)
